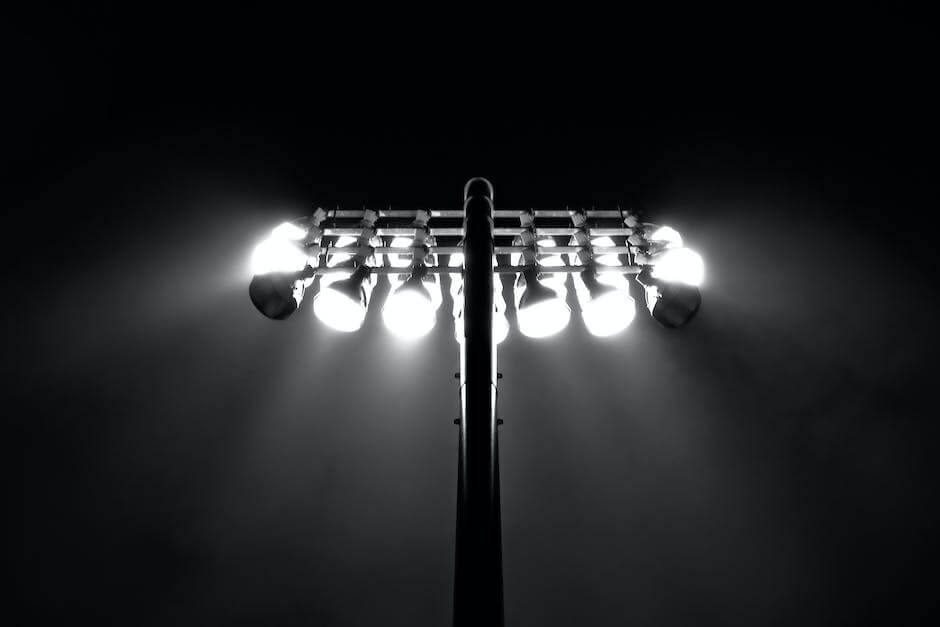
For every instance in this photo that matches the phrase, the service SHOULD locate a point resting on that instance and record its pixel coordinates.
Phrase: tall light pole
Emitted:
(478, 582)
(286, 264)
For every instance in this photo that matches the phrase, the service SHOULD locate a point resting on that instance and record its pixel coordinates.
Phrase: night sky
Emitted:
(181, 460)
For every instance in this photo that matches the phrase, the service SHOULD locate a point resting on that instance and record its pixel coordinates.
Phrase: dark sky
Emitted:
(180, 460)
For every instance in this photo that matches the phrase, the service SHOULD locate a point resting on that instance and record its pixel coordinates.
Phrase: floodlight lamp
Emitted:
(670, 304)
(410, 311)
(277, 294)
(601, 260)
(289, 231)
(549, 260)
(397, 260)
(679, 265)
(606, 305)
(281, 251)
(541, 309)
(545, 259)
(342, 304)
(595, 288)
(667, 236)
(337, 258)
(605, 260)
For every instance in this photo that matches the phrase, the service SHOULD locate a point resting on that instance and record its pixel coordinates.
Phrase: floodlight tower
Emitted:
(286, 264)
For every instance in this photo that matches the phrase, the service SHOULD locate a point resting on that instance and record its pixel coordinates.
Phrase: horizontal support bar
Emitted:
(570, 269)
(458, 213)
(458, 231)
(500, 250)
(496, 270)
(595, 231)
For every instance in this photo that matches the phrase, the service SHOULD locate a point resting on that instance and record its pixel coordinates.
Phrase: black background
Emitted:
(179, 460)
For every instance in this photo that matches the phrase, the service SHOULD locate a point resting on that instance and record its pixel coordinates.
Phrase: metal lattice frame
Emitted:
(444, 228)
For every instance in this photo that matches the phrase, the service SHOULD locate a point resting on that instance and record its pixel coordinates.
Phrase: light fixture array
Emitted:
(347, 250)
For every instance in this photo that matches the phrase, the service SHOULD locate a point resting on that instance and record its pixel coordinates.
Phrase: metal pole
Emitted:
(478, 580)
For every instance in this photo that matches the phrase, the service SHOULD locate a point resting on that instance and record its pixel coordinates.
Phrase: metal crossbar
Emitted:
(458, 231)
(389, 222)
(458, 213)
(500, 250)
(496, 269)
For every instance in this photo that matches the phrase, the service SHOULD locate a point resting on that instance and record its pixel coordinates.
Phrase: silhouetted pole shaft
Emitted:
(478, 582)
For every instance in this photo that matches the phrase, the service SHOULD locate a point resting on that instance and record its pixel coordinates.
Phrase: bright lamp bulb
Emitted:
(289, 231)
(667, 235)
(549, 260)
(606, 306)
(400, 261)
(338, 311)
(409, 313)
(338, 258)
(543, 319)
(608, 314)
(342, 301)
(679, 265)
(277, 254)
(605, 260)
(541, 310)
